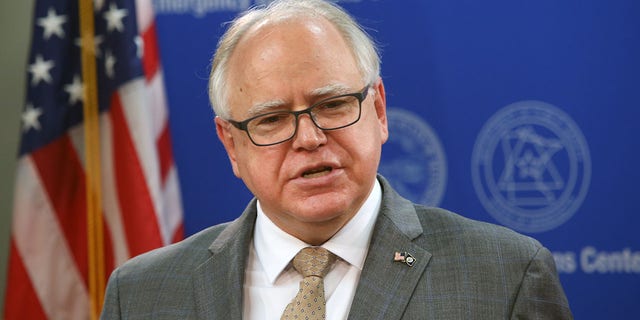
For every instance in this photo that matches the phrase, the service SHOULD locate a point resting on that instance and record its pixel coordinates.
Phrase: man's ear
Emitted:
(380, 104)
(224, 134)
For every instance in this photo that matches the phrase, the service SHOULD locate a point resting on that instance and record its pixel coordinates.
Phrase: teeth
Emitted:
(316, 172)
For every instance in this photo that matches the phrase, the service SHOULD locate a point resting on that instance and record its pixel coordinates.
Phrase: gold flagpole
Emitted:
(92, 158)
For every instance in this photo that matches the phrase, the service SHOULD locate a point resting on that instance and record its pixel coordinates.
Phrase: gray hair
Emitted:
(362, 46)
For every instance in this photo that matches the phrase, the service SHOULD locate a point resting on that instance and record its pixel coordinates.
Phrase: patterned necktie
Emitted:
(312, 263)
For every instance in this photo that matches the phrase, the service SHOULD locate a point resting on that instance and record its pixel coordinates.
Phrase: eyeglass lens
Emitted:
(330, 114)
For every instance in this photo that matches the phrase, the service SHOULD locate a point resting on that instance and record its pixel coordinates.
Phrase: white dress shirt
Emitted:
(271, 282)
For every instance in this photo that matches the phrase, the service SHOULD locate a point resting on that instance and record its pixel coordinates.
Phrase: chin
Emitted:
(322, 209)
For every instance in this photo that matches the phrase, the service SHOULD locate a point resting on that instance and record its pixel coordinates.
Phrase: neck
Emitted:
(313, 233)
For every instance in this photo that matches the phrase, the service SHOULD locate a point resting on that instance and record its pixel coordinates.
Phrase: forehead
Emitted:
(277, 60)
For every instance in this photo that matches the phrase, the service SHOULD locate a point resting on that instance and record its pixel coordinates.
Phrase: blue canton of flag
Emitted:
(55, 86)
(49, 262)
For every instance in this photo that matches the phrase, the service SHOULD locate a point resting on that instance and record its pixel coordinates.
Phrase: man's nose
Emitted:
(308, 135)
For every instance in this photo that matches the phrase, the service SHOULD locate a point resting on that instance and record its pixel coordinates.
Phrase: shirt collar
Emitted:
(275, 248)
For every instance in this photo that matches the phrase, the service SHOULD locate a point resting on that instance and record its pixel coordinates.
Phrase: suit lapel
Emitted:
(218, 282)
(386, 286)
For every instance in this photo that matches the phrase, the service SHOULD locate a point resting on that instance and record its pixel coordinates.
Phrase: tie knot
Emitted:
(313, 261)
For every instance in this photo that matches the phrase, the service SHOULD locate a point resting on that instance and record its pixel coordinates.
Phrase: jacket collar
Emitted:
(218, 282)
(385, 285)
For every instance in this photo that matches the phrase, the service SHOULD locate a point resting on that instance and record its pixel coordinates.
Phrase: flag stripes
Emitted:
(22, 291)
(133, 194)
(48, 261)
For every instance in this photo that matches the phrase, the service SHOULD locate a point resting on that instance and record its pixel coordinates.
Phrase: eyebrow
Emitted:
(332, 89)
(264, 107)
(268, 106)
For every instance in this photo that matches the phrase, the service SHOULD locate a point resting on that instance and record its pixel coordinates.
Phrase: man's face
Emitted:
(315, 182)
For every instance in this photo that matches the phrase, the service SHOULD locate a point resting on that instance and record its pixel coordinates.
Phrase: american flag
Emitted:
(48, 260)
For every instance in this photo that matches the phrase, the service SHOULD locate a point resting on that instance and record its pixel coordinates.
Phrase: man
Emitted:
(301, 112)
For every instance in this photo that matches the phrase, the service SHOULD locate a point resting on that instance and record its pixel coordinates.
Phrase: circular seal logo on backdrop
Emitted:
(531, 166)
(413, 159)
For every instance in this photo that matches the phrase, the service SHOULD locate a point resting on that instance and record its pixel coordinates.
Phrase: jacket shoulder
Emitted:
(445, 229)
(186, 253)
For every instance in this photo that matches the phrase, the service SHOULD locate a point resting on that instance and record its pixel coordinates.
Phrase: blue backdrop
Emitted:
(521, 113)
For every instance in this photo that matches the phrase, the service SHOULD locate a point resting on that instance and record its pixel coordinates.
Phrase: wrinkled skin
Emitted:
(313, 184)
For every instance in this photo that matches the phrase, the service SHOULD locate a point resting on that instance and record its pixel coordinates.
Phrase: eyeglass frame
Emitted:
(360, 96)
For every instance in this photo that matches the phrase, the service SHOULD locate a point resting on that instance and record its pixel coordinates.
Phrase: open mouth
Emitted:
(317, 172)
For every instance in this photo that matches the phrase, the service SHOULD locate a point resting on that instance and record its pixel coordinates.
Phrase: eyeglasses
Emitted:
(328, 114)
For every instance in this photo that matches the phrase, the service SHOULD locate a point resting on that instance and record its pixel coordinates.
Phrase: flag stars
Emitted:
(75, 90)
(40, 70)
(139, 46)
(97, 41)
(52, 24)
(109, 64)
(114, 18)
(30, 118)
(98, 4)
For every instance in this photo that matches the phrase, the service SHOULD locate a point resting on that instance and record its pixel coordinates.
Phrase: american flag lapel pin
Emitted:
(404, 257)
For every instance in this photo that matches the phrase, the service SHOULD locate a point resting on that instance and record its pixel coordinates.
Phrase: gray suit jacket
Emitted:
(464, 269)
